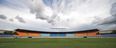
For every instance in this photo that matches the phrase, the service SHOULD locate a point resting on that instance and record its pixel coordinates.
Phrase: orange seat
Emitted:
(21, 34)
(33, 34)
(93, 33)
(81, 34)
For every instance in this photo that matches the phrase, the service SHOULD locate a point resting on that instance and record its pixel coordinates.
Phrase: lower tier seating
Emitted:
(81, 34)
(44, 34)
(4, 35)
(109, 35)
(92, 33)
(33, 34)
(70, 35)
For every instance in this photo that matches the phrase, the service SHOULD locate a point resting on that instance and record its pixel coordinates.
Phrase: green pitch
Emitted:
(58, 43)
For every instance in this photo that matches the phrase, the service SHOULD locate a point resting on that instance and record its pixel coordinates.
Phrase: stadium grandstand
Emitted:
(23, 33)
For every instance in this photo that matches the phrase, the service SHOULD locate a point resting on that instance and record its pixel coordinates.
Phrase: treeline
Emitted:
(10, 33)
(114, 31)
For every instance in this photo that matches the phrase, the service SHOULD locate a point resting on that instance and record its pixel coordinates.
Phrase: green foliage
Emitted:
(15, 33)
(10, 33)
(114, 31)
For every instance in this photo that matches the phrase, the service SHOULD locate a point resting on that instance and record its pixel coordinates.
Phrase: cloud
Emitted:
(40, 9)
(69, 14)
(72, 13)
(11, 20)
(112, 18)
(15, 4)
(3, 17)
(113, 9)
(109, 20)
(20, 19)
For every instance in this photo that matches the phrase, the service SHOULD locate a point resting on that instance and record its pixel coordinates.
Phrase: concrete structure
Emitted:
(105, 31)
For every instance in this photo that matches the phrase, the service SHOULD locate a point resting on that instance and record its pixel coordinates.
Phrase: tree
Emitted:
(15, 33)
(8, 32)
(114, 31)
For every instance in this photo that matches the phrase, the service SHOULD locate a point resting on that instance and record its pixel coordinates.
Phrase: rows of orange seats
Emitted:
(93, 33)
(38, 34)
(87, 34)
(81, 34)
(21, 34)
(33, 34)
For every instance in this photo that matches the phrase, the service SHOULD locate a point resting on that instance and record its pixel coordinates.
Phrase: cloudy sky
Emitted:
(68, 14)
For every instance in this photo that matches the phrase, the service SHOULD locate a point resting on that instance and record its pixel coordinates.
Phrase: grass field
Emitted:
(58, 43)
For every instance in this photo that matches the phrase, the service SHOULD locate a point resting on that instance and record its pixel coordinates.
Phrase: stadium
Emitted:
(22, 32)
(44, 39)
(58, 24)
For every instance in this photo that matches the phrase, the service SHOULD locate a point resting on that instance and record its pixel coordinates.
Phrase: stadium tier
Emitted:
(44, 34)
(3, 35)
(93, 33)
(70, 34)
(108, 35)
(22, 32)
(33, 34)
(53, 35)
(81, 34)
(62, 34)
